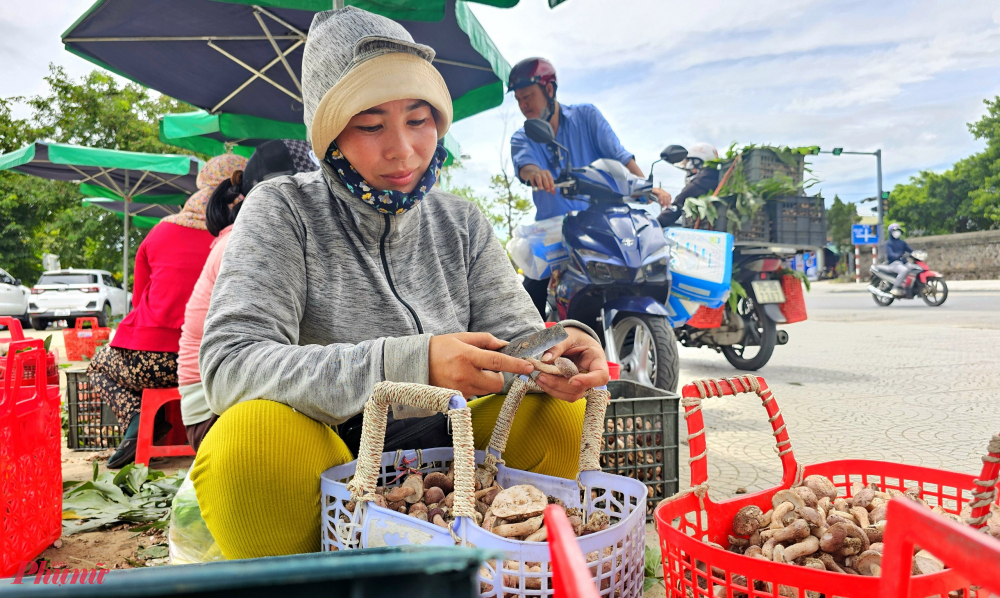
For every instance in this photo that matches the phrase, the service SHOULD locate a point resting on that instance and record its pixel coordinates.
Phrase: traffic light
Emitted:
(885, 195)
(837, 151)
(885, 202)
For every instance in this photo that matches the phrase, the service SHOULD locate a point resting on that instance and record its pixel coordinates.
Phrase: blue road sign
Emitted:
(863, 234)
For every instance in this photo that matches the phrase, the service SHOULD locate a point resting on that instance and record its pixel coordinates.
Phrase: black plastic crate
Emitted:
(760, 164)
(414, 572)
(799, 220)
(92, 424)
(640, 438)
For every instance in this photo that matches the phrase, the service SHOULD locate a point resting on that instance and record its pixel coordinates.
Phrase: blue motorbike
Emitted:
(616, 279)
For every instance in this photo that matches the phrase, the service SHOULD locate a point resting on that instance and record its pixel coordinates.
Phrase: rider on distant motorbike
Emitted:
(580, 127)
(700, 180)
(895, 251)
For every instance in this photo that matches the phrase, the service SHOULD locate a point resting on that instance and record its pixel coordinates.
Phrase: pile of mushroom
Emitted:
(514, 513)
(811, 526)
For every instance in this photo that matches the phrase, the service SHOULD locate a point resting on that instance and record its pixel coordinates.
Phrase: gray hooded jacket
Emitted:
(319, 296)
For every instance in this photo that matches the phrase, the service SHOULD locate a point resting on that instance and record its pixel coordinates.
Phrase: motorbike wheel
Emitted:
(760, 331)
(647, 351)
(884, 286)
(935, 292)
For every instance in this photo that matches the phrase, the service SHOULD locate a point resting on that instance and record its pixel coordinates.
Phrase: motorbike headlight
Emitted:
(591, 254)
(655, 266)
(599, 271)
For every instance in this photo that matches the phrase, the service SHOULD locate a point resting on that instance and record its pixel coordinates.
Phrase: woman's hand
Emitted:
(469, 363)
(587, 354)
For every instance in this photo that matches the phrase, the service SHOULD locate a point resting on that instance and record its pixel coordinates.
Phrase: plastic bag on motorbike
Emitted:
(538, 247)
(701, 264)
(189, 540)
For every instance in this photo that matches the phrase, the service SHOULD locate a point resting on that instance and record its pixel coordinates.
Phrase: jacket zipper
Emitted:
(388, 277)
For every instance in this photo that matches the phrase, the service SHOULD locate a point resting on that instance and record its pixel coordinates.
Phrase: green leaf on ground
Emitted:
(156, 551)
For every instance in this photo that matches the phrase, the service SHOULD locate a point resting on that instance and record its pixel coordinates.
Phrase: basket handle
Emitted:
(986, 493)
(30, 349)
(365, 480)
(691, 398)
(593, 426)
(81, 321)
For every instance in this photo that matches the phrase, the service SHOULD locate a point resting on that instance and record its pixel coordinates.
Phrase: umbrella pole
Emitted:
(128, 304)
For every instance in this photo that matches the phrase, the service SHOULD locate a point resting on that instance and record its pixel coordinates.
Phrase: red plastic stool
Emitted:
(152, 400)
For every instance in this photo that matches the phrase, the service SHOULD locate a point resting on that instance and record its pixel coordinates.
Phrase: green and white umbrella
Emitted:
(139, 186)
(215, 134)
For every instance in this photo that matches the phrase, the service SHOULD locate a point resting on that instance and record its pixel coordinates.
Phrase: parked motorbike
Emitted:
(920, 282)
(748, 335)
(617, 273)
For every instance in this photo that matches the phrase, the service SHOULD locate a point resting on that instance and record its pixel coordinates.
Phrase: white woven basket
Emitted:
(615, 555)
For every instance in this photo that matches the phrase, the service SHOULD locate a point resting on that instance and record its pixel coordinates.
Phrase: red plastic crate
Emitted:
(707, 317)
(82, 342)
(17, 334)
(30, 460)
(693, 568)
(794, 307)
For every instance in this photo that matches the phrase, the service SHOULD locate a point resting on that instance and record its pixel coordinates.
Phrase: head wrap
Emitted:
(218, 169)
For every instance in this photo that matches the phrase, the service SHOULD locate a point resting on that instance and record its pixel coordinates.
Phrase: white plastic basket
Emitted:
(617, 553)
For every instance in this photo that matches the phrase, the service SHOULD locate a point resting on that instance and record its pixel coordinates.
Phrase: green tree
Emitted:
(39, 216)
(965, 197)
(839, 219)
(505, 208)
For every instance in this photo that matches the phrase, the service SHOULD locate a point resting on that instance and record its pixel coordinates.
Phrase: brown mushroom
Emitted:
(765, 519)
(837, 534)
(747, 520)
(831, 565)
(436, 479)
(875, 532)
(488, 520)
(397, 505)
(520, 528)
(925, 563)
(739, 543)
(433, 495)
(861, 515)
(797, 530)
(841, 504)
(868, 562)
(753, 551)
(417, 507)
(782, 496)
(824, 504)
(863, 498)
(877, 547)
(399, 494)
(777, 517)
(566, 367)
(597, 521)
(877, 514)
(804, 547)
(851, 547)
(540, 536)
(519, 502)
(807, 495)
(840, 517)
(576, 522)
(821, 486)
(813, 563)
(812, 516)
(436, 516)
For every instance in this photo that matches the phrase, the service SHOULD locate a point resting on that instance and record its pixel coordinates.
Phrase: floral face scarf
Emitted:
(386, 201)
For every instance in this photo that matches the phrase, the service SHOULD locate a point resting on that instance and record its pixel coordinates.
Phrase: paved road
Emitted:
(907, 383)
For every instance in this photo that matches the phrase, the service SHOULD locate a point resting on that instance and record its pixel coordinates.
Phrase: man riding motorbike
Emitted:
(700, 180)
(895, 251)
(580, 127)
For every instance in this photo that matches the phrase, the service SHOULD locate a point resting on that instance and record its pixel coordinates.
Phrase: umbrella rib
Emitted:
(464, 64)
(302, 34)
(160, 183)
(132, 191)
(200, 38)
(106, 173)
(257, 74)
(277, 50)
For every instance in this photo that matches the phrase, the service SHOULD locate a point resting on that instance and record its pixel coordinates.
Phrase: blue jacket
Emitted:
(582, 129)
(895, 248)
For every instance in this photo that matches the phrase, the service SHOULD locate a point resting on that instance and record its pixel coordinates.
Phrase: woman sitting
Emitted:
(274, 158)
(363, 272)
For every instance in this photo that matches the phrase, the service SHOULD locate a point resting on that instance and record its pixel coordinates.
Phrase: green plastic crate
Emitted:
(413, 572)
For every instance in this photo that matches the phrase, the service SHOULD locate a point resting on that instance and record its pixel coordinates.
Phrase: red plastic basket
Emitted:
(794, 307)
(707, 317)
(30, 460)
(17, 334)
(82, 342)
(974, 555)
(688, 519)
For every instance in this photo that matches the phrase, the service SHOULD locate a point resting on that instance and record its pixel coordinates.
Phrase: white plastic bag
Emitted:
(189, 539)
(538, 247)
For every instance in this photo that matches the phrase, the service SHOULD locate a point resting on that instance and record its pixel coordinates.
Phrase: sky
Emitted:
(903, 77)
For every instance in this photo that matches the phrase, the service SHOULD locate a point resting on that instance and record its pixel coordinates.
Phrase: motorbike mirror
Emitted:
(540, 131)
(673, 154)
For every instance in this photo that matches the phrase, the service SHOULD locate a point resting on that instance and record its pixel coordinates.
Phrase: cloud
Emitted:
(904, 77)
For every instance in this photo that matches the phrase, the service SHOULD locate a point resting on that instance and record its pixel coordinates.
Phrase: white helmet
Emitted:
(700, 151)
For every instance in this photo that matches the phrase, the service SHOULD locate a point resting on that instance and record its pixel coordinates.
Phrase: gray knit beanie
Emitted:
(354, 60)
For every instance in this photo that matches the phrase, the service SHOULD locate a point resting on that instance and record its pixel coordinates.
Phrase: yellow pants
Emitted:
(257, 471)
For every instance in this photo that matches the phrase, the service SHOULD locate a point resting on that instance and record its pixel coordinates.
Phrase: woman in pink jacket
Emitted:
(272, 159)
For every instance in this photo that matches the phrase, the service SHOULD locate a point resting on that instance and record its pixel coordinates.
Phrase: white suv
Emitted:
(71, 294)
(13, 297)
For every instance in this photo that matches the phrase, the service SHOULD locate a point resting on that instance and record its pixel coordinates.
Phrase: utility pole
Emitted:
(880, 198)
